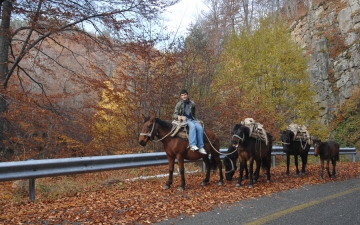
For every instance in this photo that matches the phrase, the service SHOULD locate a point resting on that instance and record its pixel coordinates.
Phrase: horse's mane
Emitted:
(163, 123)
(239, 127)
(290, 134)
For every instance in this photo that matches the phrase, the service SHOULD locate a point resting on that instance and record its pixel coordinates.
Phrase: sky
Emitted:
(182, 14)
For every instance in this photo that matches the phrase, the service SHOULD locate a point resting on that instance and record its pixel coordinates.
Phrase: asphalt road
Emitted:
(330, 203)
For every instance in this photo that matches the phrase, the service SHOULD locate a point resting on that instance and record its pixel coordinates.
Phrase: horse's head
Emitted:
(230, 163)
(230, 168)
(317, 145)
(148, 130)
(286, 139)
(238, 135)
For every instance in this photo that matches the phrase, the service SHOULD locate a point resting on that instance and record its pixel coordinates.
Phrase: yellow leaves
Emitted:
(269, 71)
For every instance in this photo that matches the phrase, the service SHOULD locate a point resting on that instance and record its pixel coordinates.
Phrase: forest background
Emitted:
(76, 78)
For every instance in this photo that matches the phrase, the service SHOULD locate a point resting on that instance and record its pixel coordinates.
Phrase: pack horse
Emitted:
(253, 144)
(296, 141)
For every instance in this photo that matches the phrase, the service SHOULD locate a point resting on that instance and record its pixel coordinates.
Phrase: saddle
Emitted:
(257, 130)
(180, 130)
(180, 126)
(300, 132)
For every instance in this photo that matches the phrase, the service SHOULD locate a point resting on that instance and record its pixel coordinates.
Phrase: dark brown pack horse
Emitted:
(251, 149)
(178, 148)
(328, 150)
(296, 148)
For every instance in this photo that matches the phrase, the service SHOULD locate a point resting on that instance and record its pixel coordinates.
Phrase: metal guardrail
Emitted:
(278, 150)
(32, 169)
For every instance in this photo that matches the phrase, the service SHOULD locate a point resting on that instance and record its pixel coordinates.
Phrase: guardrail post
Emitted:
(32, 189)
(273, 160)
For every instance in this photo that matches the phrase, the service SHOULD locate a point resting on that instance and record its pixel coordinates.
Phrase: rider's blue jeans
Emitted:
(196, 133)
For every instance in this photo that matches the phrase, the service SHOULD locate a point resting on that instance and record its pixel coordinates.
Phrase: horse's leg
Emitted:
(268, 159)
(328, 167)
(251, 172)
(180, 160)
(246, 172)
(241, 171)
(171, 171)
(304, 162)
(219, 164)
(257, 171)
(287, 164)
(208, 168)
(322, 169)
(296, 165)
(333, 161)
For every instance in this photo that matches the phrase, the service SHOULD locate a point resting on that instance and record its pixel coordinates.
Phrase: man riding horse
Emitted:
(186, 108)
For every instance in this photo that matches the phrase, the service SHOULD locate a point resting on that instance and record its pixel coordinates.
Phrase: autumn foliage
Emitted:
(120, 200)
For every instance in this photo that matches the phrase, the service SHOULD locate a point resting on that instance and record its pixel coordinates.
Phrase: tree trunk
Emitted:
(6, 8)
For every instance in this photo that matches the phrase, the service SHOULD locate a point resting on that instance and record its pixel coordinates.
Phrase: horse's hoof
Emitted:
(220, 183)
(251, 186)
(166, 187)
(181, 188)
(238, 185)
(268, 181)
(303, 174)
(286, 175)
(204, 183)
(296, 175)
(254, 181)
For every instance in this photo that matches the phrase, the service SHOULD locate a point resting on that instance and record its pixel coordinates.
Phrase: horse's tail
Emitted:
(337, 152)
(266, 161)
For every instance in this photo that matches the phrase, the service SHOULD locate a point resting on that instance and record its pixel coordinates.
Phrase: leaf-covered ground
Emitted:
(143, 201)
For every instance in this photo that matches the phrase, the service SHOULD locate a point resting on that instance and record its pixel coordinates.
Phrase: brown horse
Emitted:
(328, 150)
(178, 148)
(251, 149)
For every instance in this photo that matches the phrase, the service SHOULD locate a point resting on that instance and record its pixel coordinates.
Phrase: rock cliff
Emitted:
(329, 33)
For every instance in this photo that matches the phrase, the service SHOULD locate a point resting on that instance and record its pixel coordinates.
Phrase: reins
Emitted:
(152, 129)
(214, 147)
(232, 166)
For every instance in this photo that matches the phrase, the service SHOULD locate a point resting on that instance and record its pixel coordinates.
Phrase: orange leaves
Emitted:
(145, 201)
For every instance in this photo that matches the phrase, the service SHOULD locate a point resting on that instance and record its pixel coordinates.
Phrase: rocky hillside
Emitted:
(329, 33)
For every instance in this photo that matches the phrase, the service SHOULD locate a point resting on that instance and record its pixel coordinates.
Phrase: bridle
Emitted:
(240, 138)
(150, 133)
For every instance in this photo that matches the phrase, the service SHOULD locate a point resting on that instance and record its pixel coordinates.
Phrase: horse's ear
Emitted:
(152, 117)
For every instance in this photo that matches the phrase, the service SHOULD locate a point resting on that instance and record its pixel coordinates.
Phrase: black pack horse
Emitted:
(230, 163)
(178, 148)
(328, 150)
(251, 149)
(296, 148)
